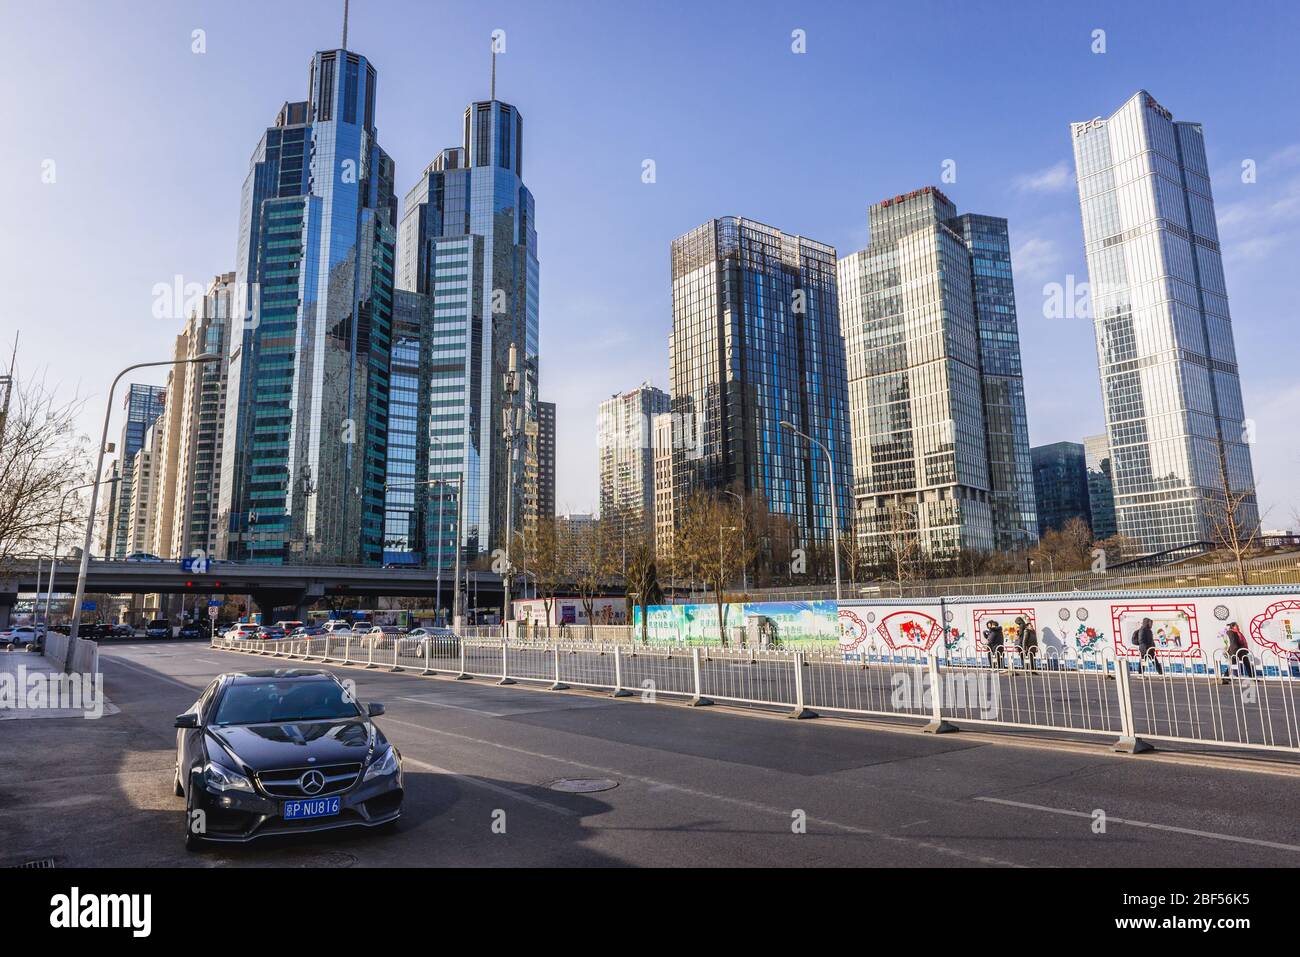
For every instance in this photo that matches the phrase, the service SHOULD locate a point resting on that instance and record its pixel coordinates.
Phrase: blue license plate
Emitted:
(312, 807)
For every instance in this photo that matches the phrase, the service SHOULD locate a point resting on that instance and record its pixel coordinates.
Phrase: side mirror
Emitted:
(187, 720)
(375, 709)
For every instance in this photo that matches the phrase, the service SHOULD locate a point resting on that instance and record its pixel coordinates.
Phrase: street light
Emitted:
(721, 572)
(58, 534)
(835, 518)
(458, 479)
(99, 469)
(744, 565)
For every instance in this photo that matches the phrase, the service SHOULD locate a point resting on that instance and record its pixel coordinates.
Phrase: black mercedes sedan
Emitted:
(282, 752)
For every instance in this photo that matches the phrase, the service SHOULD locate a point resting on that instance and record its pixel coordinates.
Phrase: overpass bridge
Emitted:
(271, 587)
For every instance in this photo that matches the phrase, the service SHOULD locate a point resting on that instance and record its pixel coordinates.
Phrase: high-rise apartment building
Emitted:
(940, 434)
(200, 390)
(756, 342)
(468, 240)
(625, 454)
(1060, 485)
(661, 432)
(304, 446)
(165, 460)
(143, 404)
(546, 460)
(1170, 383)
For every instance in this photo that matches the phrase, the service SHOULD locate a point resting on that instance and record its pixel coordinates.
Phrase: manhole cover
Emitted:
(582, 785)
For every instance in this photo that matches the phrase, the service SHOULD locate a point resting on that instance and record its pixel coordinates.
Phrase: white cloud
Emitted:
(1036, 259)
(1054, 179)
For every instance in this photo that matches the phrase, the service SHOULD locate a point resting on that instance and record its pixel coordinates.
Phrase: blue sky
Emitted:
(150, 143)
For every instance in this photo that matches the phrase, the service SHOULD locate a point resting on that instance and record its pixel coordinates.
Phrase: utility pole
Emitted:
(7, 382)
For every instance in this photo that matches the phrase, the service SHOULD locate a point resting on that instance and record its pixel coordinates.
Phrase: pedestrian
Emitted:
(1146, 643)
(993, 640)
(1238, 652)
(1028, 642)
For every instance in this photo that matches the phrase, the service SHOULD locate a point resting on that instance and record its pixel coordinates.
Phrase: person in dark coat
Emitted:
(1028, 642)
(1238, 652)
(993, 639)
(1147, 646)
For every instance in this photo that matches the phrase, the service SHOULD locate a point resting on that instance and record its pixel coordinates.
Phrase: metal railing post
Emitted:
(347, 649)
(1128, 741)
(428, 655)
(557, 685)
(464, 675)
(505, 666)
(619, 690)
(800, 708)
(370, 652)
(397, 644)
(698, 700)
(936, 725)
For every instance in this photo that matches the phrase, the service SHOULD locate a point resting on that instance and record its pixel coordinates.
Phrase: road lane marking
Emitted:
(490, 786)
(1213, 835)
(783, 813)
(457, 707)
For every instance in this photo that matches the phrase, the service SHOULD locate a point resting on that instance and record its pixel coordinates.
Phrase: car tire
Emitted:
(176, 783)
(192, 841)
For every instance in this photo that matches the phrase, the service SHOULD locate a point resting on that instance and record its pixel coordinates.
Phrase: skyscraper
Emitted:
(143, 405)
(546, 460)
(1101, 487)
(468, 241)
(625, 456)
(1060, 485)
(1170, 382)
(661, 431)
(202, 390)
(756, 341)
(303, 459)
(940, 435)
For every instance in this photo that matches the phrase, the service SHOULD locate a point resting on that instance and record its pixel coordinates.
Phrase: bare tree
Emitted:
(544, 559)
(898, 551)
(41, 456)
(594, 557)
(642, 581)
(1233, 525)
(709, 545)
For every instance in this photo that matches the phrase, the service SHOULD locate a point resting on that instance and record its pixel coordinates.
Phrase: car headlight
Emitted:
(386, 763)
(220, 778)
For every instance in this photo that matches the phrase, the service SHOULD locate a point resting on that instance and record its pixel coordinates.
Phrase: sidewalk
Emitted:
(31, 687)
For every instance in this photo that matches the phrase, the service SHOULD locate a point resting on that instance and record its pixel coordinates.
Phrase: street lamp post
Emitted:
(58, 535)
(835, 517)
(99, 470)
(744, 565)
(441, 482)
(722, 571)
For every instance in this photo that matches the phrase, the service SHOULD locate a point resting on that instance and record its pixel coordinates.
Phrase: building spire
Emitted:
(494, 69)
(345, 24)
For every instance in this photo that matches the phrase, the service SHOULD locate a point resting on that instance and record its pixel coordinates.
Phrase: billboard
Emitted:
(777, 623)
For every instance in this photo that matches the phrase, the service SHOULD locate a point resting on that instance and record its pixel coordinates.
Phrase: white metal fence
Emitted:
(1248, 703)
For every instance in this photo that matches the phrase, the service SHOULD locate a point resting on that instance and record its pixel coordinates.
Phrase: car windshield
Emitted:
(270, 702)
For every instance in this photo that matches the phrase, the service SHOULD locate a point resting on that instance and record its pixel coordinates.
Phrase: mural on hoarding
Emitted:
(781, 623)
(909, 629)
(1006, 617)
(1278, 628)
(1173, 626)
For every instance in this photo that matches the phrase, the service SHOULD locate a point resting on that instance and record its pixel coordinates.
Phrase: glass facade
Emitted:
(304, 445)
(940, 432)
(625, 453)
(1101, 488)
(468, 241)
(755, 341)
(1170, 383)
(143, 404)
(1060, 485)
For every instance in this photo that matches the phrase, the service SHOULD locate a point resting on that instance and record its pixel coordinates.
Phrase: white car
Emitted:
(337, 626)
(19, 636)
(440, 641)
(244, 629)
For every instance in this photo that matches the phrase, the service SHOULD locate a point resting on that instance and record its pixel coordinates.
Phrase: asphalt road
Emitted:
(694, 787)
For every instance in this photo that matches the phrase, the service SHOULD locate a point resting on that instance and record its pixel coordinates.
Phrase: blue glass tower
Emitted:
(304, 458)
(143, 404)
(468, 241)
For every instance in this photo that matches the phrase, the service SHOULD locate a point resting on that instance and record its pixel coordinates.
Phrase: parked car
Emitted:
(190, 629)
(122, 630)
(158, 628)
(327, 766)
(243, 629)
(22, 637)
(269, 633)
(441, 642)
(309, 631)
(337, 626)
(289, 627)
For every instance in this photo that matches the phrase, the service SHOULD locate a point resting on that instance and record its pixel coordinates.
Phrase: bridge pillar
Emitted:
(271, 600)
(7, 601)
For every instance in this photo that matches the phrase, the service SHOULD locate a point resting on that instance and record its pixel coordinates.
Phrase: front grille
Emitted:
(284, 783)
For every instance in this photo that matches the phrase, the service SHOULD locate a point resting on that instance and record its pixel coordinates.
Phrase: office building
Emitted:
(142, 404)
(1060, 485)
(546, 460)
(756, 341)
(468, 241)
(304, 445)
(1101, 487)
(940, 435)
(625, 453)
(1170, 383)
(661, 430)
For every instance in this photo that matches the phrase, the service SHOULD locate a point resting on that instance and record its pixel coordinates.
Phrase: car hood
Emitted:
(262, 747)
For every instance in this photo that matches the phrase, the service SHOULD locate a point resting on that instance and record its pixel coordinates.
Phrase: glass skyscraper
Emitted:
(940, 434)
(1060, 485)
(468, 241)
(143, 404)
(1169, 376)
(756, 340)
(303, 462)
